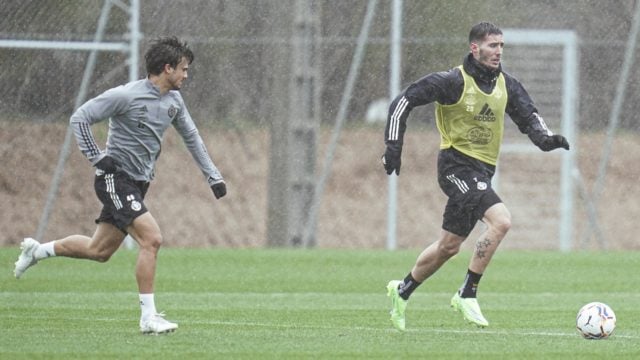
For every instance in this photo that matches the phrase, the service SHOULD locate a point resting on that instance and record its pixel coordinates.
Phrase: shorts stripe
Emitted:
(461, 184)
(111, 189)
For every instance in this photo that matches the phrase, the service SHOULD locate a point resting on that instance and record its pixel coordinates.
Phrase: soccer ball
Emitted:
(596, 320)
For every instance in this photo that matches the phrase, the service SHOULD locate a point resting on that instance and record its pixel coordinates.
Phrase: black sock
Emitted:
(470, 286)
(406, 288)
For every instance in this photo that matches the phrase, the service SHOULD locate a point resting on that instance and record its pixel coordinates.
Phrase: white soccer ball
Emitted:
(596, 320)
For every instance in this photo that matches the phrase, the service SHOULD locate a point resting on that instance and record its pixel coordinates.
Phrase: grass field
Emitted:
(315, 304)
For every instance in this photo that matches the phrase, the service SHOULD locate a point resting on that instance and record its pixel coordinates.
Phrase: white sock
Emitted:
(147, 305)
(44, 251)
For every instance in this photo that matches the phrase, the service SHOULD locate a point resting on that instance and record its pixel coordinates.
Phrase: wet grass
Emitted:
(285, 303)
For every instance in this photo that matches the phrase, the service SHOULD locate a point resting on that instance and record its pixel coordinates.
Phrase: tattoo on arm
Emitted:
(482, 246)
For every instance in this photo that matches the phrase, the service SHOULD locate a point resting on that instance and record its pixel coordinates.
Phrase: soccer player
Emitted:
(139, 113)
(471, 102)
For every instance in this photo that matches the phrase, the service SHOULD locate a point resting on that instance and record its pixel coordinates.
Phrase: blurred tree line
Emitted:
(237, 67)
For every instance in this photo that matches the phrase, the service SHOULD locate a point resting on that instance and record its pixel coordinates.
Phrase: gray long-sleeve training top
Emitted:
(138, 117)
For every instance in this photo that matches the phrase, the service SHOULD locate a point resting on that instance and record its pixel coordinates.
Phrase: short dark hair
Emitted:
(166, 50)
(481, 30)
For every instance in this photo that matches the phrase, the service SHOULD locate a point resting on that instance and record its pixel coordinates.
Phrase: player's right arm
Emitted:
(104, 106)
(444, 87)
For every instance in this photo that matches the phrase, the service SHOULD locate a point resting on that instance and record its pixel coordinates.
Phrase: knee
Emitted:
(102, 256)
(152, 242)
(498, 220)
(502, 225)
(447, 249)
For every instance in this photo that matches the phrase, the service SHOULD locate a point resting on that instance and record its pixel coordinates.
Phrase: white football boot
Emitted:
(156, 324)
(26, 258)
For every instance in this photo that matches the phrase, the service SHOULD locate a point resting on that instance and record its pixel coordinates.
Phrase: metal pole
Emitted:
(302, 122)
(134, 39)
(64, 152)
(614, 119)
(569, 109)
(339, 121)
(394, 90)
(64, 45)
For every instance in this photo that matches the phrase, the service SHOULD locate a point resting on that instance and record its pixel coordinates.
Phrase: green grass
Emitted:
(284, 303)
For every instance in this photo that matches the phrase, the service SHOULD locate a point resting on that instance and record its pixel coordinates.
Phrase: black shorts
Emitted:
(467, 183)
(122, 198)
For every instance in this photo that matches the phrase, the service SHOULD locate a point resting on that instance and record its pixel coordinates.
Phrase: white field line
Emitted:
(314, 294)
(208, 295)
(473, 331)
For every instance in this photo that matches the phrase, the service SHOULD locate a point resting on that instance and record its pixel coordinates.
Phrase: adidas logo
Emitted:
(486, 114)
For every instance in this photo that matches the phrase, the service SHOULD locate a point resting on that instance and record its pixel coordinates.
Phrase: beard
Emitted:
(485, 60)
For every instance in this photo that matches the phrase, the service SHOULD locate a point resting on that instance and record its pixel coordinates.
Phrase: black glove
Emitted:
(219, 189)
(391, 160)
(107, 164)
(548, 143)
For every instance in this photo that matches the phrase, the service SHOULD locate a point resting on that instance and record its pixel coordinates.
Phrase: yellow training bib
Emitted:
(474, 125)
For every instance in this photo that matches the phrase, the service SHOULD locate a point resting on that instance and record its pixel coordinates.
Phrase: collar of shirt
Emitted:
(152, 87)
(480, 73)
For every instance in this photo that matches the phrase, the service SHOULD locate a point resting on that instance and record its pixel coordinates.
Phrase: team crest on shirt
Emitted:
(482, 185)
(172, 111)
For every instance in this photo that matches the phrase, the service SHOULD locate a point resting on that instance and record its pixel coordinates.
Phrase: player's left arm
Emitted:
(187, 129)
(524, 113)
